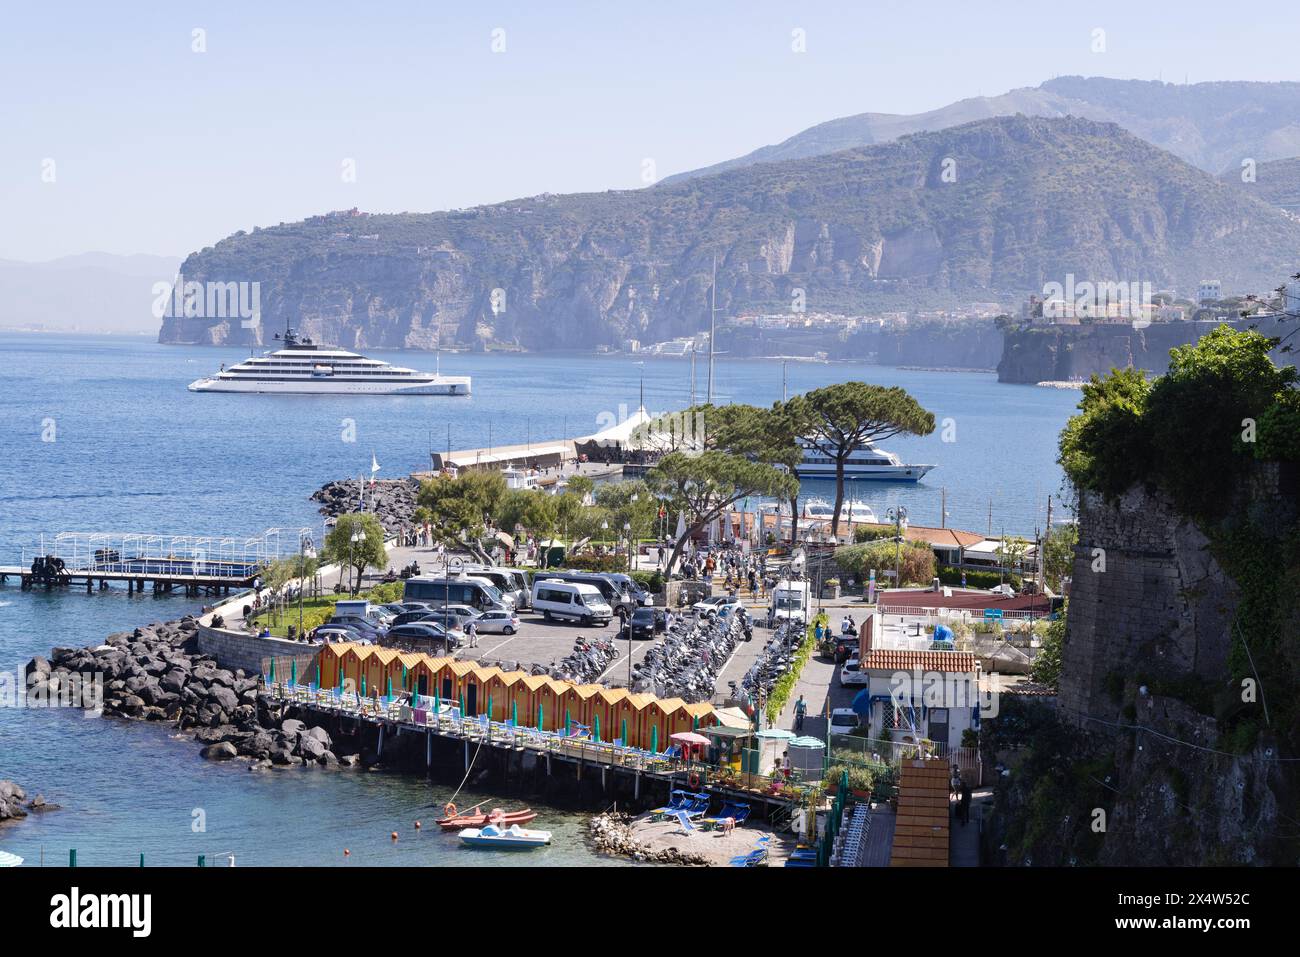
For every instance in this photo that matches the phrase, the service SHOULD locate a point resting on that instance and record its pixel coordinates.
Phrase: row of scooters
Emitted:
(686, 663)
(777, 659)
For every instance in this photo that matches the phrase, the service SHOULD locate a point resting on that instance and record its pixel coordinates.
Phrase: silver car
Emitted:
(496, 622)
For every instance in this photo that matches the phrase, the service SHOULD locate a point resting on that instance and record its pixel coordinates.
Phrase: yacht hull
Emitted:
(876, 473)
(443, 385)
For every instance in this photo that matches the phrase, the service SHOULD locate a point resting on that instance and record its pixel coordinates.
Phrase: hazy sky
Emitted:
(160, 149)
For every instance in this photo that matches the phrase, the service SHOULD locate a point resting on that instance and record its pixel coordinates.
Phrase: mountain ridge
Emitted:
(1211, 125)
(1030, 200)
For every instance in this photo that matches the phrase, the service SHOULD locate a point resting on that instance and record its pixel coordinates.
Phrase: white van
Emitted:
(790, 599)
(570, 600)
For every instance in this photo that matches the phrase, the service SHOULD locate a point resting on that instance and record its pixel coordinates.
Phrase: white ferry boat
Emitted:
(303, 367)
(865, 462)
(853, 511)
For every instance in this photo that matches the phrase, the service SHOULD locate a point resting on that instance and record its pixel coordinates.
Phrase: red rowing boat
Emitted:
(495, 816)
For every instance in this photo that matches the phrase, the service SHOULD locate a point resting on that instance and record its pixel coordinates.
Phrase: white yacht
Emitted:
(865, 462)
(853, 511)
(303, 367)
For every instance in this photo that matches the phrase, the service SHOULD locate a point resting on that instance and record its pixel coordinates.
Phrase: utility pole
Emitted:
(1042, 548)
(990, 532)
(943, 507)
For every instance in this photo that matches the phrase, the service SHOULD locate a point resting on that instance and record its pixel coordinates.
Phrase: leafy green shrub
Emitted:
(975, 578)
(916, 560)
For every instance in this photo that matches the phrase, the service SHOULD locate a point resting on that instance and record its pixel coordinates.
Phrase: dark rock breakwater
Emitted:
(392, 501)
(155, 673)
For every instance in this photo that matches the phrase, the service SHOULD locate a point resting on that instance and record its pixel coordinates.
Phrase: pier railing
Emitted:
(446, 719)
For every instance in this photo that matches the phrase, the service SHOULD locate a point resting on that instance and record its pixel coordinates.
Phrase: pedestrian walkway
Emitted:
(964, 843)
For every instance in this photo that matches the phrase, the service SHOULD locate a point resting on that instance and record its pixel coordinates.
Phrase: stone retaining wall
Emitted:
(234, 649)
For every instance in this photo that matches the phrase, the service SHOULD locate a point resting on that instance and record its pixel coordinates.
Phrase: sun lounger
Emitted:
(752, 859)
(684, 820)
(677, 801)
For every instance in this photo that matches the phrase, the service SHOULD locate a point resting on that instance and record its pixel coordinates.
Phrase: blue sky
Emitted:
(159, 149)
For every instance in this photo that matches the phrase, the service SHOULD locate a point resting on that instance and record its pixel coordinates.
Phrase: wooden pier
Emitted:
(166, 582)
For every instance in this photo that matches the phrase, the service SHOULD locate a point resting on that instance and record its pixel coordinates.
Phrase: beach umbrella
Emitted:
(568, 723)
(489, 708)
(272, 678)
(363, 684)
(293, 671)
(462, 704)
(340, 676)
(654, 739)
(541, 721)
(595, 732)
(388, 686)
(409, 687)
(695, 723)
(862, 703)
(514, 714)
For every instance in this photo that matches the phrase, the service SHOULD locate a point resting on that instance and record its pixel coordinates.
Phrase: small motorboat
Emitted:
(513, 837)
(495, 816)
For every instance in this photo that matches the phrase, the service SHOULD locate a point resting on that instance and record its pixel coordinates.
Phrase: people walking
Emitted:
(471, 634)
(800, 710)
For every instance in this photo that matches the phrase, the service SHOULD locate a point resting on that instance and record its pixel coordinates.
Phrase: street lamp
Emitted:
(898, 515)
(353, 579)
(305, 550)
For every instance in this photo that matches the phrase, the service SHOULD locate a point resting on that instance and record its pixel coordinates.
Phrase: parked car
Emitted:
(449, 619)
(366, 627)
(496, 622)
(425, 633)
(851, 676)
(845, 648)
(843, 720)
(647, 622)
(333, 634)
(392, 609)
(717, 606)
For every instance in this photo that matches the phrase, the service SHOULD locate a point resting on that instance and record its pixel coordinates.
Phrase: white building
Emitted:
(1208, 290)
(922, 695)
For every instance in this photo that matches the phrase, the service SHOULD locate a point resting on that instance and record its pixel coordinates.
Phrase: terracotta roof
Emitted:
(940, 537)
(921, 825)
(967, 599)
(887, 659)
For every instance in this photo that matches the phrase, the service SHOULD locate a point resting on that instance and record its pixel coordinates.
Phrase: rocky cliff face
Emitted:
(986, 212)
(1146, 689)
(1049, 353)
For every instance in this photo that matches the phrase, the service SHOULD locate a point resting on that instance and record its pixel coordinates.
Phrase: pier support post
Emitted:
(379, 752)
(467, 754)
(428, 749)
(636, 785)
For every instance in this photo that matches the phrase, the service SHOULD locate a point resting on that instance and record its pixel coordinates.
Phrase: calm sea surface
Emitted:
(134, 452)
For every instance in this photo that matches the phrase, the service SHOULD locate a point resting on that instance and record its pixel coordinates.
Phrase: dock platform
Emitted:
(643, 769)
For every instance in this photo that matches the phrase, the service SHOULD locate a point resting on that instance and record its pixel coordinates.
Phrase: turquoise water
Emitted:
(133, 451)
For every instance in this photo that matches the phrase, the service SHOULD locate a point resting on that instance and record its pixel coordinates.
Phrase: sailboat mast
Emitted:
(713, 311)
